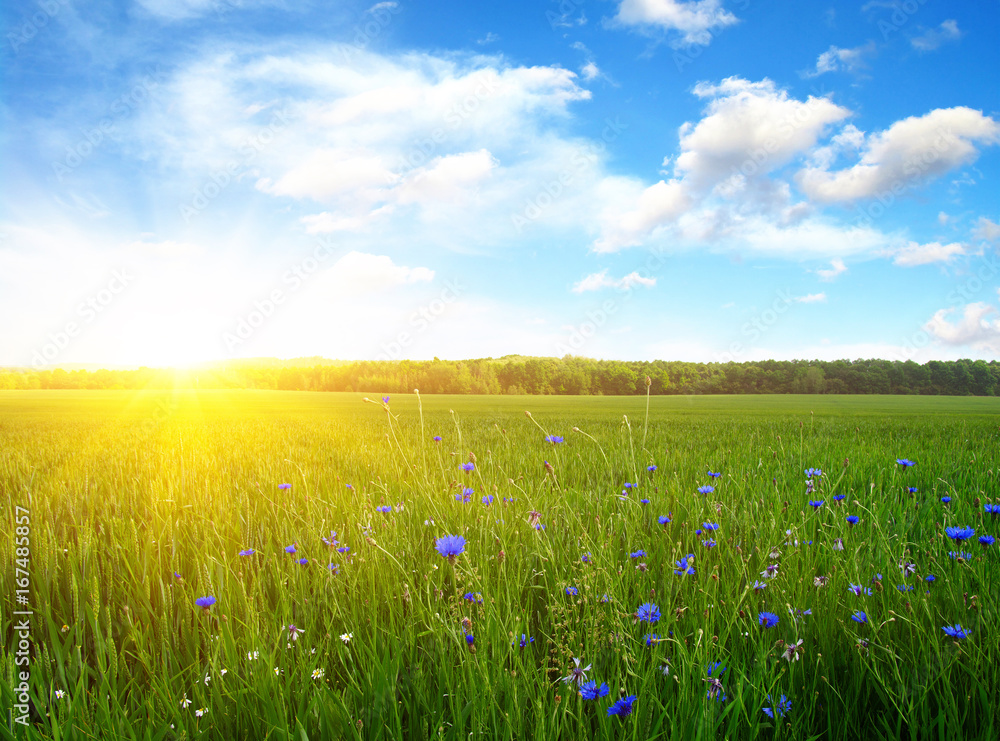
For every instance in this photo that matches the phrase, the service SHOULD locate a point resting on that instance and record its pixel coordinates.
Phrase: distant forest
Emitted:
(525, 375)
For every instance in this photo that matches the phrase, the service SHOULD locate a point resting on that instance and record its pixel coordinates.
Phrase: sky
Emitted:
(711, 180)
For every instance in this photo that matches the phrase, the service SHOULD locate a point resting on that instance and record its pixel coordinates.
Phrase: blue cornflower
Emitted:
(436, 438)
(468, 466)
(290, 548)
(302, 561)
(385, 509)
(913, 490)
(638, 554)
(487, 500)
(714, 475)
(810, 472)
(643, 501)
(960, 555)
(465, 496)
(553, 439)
(706, 489)
(945, 499)
(767, 619)
(585, 557)
(852, 519)
(780, 708)
(247, 552)
(859, 617)
(957, 632)
(992, 509)
(710, 525)
(623, 707)
(684, 566)
(284, 486)
(205, 602)
(930, 578)
(816, 504)
(859, 590)
(650, 639)
(332, 540)
(986, 540)
(592, 691)
(663, 520)
(904, 587)
(958, 534)
(714, 670)
(709, 543)
(571, 591)
(450, 546)
(651, 469)
(335, 568)
(839, 497)
(525, 640)
(344, 549)
(576, 673)
(905, 462)
(475, 597)
(759, 586)
(647, 613)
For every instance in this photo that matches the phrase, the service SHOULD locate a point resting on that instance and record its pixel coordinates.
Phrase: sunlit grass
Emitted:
(127, 490)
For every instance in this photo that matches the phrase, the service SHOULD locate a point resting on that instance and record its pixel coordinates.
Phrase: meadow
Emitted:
(714, 567)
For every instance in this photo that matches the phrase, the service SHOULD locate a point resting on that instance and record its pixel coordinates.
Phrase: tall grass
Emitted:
(126, 490)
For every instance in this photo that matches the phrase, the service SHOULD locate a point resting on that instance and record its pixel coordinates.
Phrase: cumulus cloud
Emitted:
(911, 151)
(934, 37)
(923, 254)
(974, 328)
(986, 230)
(695, 20)
(597, 281)
(836, 59)
(837, 267)
(750, 127)
(657, 205)
(362, 273)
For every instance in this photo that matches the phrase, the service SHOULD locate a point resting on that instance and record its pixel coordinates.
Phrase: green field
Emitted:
(125, 490)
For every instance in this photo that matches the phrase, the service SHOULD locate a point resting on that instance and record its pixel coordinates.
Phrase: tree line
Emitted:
(569, 375)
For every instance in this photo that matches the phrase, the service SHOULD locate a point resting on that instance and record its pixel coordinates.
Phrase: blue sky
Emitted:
(192, 180)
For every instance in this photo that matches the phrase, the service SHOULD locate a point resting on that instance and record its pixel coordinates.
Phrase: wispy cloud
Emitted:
(935, 37)
(597, 281)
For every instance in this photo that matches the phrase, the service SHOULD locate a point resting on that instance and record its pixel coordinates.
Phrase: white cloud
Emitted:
(597, 281)
(911, 151)
(489, 38)
(329, 174)
(360, 273)
(656, 206)
(447, 178)
(750, 128)
(986, 230)
(811, 298)
(694, 20)
(934, 37)
(974, 328)
(590, 71)
(923, 254)
(836, 59)
(837, 267)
